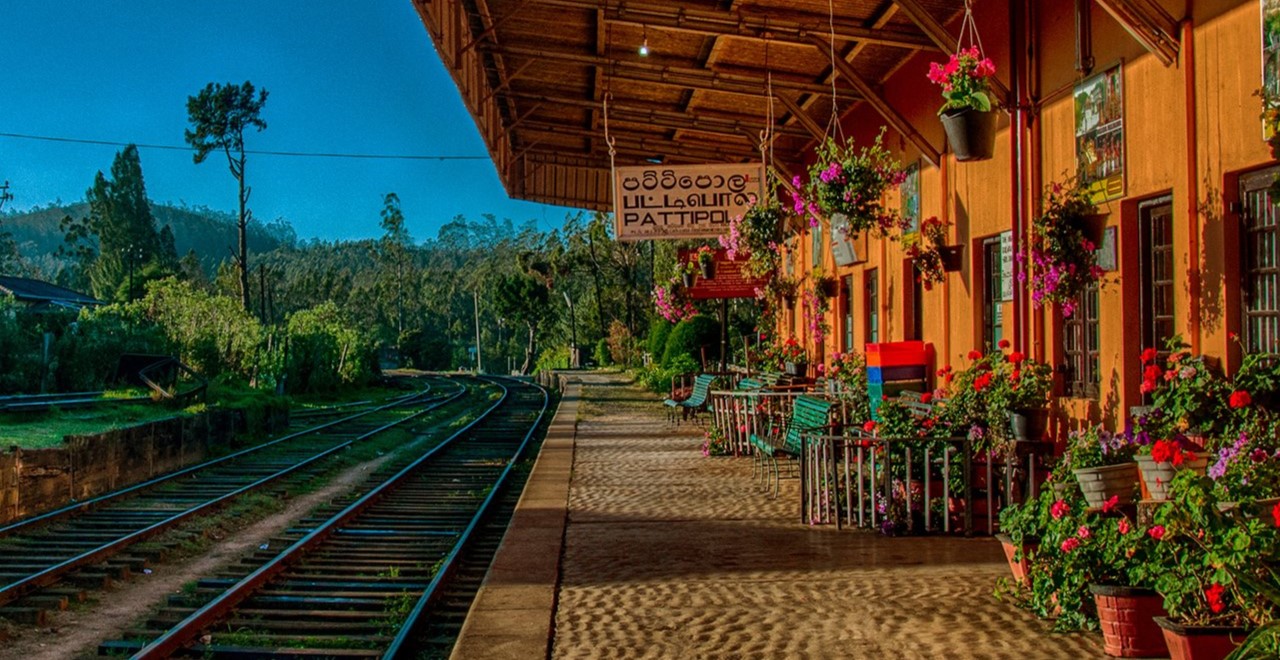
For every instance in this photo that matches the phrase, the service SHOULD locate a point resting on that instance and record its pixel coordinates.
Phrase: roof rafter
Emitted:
(790, 27)
(1149, 24)
(942, 38)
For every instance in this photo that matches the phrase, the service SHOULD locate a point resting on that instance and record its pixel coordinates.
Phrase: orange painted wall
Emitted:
(1221, 54)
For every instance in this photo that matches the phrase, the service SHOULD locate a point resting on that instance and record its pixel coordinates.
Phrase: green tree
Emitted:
(523, 299)
(219, 116)
(116, 243)
(393, 252)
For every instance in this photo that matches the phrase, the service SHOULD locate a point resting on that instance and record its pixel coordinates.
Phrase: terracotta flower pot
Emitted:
(1126, 616)
(1019, 557)
(1199, 642)
(971, 134)
(1100, 484)
(1156, 476)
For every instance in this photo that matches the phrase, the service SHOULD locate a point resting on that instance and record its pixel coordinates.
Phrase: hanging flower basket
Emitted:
(971, 133)
(968, 115)
(925, 248)
(851, 182)
(1063, 258)
(708, 269)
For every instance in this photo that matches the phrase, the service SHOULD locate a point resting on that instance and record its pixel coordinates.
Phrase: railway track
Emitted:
(43, 550)
(358, 578)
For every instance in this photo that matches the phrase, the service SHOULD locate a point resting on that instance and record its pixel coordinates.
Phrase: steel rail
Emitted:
(86, 505)
(52, 574)
(447, 567)
(178, 636)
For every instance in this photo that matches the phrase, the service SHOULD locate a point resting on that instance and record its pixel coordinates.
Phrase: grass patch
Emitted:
(38, 430)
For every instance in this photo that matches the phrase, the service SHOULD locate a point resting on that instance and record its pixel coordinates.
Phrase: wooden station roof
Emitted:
(535, 75)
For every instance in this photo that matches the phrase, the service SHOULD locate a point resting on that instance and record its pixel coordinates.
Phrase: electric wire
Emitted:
(258, 152)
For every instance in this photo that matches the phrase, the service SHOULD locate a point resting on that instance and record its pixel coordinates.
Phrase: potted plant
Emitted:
(968, 114)
(1189, 396)
(1212, 570)
(757, 233)
(1063, 260)
(1021, 526)
(671, 300)
(1103, 465)
(1121, 580)
(848, 185)
(706, 258)
(1019, 394)
(929, 252)
(849, 371)
(792, 356)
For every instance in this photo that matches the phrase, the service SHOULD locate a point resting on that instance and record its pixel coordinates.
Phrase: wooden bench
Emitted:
(807, 414)
(696, 402)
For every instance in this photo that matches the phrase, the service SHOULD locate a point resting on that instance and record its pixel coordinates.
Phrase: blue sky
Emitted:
(349, 77)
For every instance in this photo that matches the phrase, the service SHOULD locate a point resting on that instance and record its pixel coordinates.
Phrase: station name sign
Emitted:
(682, 201)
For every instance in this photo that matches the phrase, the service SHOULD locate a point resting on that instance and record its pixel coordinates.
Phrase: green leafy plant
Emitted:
(925, 249)
(851, 182)
(1063, 260)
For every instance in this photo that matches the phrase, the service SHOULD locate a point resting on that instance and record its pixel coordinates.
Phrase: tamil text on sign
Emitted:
(682, 201)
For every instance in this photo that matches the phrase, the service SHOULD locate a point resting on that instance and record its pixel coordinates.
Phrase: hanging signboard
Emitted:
(728, 279)
(682, 201)
(1006, 266)
(1100, 134)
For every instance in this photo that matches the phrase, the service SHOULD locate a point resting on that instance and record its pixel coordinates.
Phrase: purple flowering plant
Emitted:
(1063, 262)
(1248, 469)
(851, 182)
(1095, 446)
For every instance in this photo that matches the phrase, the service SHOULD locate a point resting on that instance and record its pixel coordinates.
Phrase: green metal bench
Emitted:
(807, 414)
(696, 402)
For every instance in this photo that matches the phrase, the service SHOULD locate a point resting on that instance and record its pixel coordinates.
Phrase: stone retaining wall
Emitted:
(33, 481)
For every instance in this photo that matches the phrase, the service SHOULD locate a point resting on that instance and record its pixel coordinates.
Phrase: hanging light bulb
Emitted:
(644, 46)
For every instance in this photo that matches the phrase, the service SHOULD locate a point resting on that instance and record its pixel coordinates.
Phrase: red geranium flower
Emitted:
(1156, 532)
(1111, 503)
(1152, 372)
(869, 426)
(1275, 513)
(1213, 595)
(926, 397)
(975, 355)
(1060, 509)
(1124, 526)
(928, 422)
(1149, 356)
(1240, 399)
(1165, 451)
(1070, 544)
(1016, 357)
(1083, 532)
(981, 382)
(1003, 343)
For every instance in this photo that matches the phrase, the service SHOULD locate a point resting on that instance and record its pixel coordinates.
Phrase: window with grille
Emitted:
(1155, 226)
(1080, 345)
(992, 285)
(1260, 237)
(873, 305)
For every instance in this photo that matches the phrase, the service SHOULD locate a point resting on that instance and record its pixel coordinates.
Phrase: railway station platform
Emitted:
(629, 543)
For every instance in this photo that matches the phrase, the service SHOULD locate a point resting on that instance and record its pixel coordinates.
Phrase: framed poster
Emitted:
(1270, 53)
(909, 193)
(1099, 102)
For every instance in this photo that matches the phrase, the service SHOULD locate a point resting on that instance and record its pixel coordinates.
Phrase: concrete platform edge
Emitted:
(513, 615)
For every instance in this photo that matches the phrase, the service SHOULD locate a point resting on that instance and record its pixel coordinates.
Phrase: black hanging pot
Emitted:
(971, 134)
(708, 269)
(687, 279)
(952, 257)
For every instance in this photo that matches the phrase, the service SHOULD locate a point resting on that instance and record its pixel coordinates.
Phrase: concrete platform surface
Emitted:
(629, 543)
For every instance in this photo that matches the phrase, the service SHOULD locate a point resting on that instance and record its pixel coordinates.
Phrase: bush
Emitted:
(656, 342)
(658, 378)
(690, 337)
(326, 351)
(621, 345)
(601, 353)
(551, 359)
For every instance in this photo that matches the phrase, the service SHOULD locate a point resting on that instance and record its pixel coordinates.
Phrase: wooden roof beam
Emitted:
(1149, 24)
(803, 117)
(942, 38)
(651, 146)
(882, 107)
(654, 70)
(747, 23)
(692, 122)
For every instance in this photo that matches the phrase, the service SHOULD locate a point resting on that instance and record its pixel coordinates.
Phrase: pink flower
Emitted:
(1083, 532)
(1111, 503)
(1124, 526)
(1070, 544)
(1157, 532)
(1059, 509)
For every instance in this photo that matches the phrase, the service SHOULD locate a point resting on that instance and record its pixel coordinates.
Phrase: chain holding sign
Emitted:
(682, 201)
